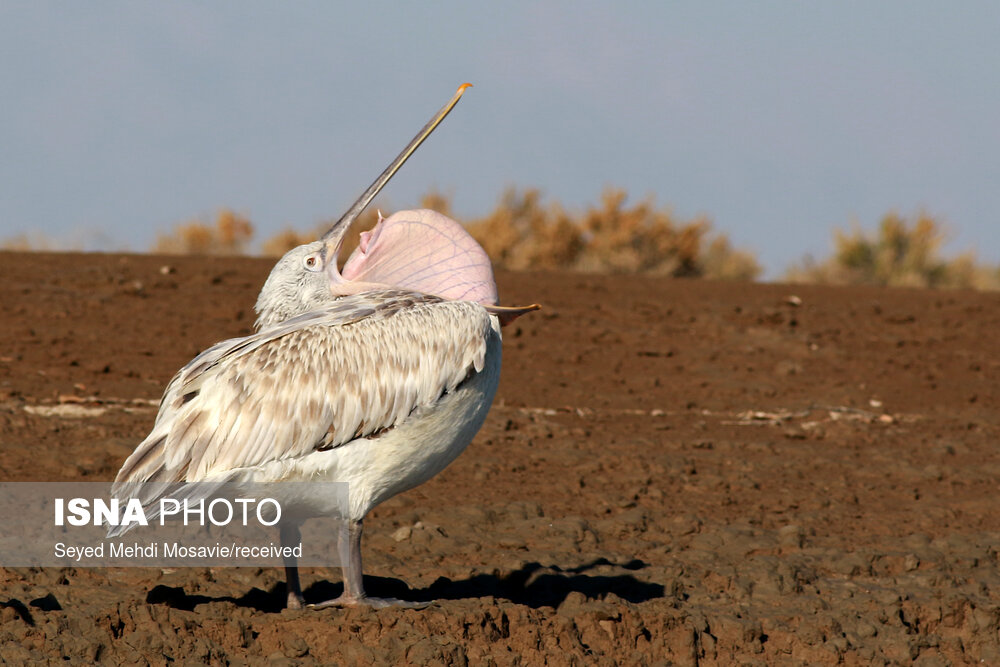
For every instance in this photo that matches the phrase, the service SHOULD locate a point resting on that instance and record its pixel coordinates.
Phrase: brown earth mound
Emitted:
(673, 472)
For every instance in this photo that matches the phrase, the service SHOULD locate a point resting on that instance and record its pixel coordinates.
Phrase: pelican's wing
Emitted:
(316, 381)
(343, 311)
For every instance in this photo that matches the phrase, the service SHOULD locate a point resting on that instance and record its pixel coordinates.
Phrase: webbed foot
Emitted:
(374, 603)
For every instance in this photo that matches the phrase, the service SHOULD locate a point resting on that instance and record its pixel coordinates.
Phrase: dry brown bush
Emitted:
(278, 245)
(230, 235)
(522, 233)
(28, 243)
(288, 238)
(901, 253)
(285, 240)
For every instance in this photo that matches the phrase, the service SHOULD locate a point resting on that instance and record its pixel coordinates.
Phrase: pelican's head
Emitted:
(307, 276)
(298, 283)
(420, 250)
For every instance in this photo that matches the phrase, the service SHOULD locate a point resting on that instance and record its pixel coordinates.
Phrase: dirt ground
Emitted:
(674, 472)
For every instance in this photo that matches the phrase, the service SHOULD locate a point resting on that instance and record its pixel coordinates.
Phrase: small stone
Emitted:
(7, 613)
(572, 602)
(295, 647)
(402, 533)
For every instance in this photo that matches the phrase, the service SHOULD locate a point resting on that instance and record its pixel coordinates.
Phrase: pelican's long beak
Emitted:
(334, 237)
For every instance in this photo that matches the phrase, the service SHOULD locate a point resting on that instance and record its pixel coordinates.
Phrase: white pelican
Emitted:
(378, 375)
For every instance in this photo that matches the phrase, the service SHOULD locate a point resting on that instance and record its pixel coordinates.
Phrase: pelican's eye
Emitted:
(312, 263)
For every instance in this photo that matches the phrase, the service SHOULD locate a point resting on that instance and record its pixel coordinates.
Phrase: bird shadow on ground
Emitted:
(533, 585)
(20, 610)
(271, 601)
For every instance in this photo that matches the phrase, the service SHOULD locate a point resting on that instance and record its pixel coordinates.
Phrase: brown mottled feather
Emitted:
(318, 380)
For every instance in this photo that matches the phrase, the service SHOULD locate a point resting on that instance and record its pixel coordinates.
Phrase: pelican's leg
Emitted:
(290, 537)
(354, 585)
(354, 588)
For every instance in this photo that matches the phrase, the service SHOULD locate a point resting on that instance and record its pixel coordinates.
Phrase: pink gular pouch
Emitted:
(427, 252)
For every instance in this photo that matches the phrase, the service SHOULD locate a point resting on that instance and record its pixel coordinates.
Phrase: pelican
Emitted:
(378, 375)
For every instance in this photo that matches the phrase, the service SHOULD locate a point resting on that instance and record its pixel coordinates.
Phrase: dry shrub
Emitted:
(285, 240)
(230, 236)
(28, 243)
(521, 233)
(437, 201)
(278, 245)
(900, 253)
(720, 260)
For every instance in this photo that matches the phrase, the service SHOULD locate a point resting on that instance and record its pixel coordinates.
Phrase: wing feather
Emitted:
(318, 380)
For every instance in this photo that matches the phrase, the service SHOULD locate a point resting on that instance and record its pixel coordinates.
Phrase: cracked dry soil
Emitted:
(674, 472)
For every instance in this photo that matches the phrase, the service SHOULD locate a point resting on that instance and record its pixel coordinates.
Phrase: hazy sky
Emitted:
(778, 120)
